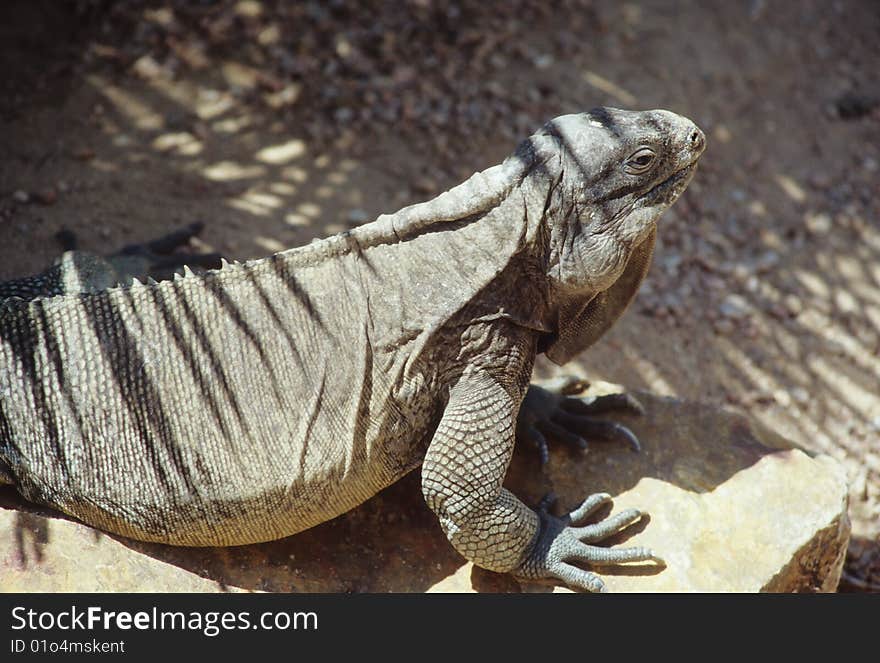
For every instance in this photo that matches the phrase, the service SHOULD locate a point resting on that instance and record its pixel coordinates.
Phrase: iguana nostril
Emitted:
(697, 139)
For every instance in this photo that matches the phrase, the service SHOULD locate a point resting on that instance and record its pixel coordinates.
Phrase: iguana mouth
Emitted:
(672, 187)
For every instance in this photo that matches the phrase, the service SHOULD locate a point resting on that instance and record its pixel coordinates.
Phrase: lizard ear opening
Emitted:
(582, 323)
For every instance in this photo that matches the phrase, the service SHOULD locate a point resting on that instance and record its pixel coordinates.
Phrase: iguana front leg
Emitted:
(462, 479)
(553, 410)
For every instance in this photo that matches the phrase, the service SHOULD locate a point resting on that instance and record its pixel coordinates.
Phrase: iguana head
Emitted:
(612, 174)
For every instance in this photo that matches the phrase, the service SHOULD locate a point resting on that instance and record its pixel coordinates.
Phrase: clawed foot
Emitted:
(564, 540)
(554, 411)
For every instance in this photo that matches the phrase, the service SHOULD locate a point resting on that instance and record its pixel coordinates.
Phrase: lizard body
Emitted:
(258, 400)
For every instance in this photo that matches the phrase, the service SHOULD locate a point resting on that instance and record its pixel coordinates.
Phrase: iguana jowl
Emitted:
(255, 401)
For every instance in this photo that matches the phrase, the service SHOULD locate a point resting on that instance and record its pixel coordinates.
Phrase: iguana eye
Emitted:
(640, 162)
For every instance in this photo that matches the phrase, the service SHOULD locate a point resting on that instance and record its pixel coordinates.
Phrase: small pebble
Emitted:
(343, 115)
(793, 305)
(543, 61)
(819, 223)
(845, 302)
(800, 395)
(734, 306)
(84, 154)
(425, 185)
(782, 397)
(47, 197)
(741, 273)
(820, 181)
(766, 261)
(147, 68)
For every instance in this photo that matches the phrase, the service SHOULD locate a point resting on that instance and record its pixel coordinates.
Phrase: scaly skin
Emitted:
(258, 400)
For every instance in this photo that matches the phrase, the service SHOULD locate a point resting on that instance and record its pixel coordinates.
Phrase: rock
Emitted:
(800, 395)
(343, 115)
(734, 306)
(820, 181)
(819, 223)
(425, 185)
(286, 96)
(782, 397)
(846, 302)
(741, 273)
(543, 61)
(766, 262)
(724, 327)
(147, 67)
(793, 305)
(852, 105)
(733, 507)
(84, 154)
(47, 197)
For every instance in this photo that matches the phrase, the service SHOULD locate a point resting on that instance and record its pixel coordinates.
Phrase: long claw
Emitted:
(537, 438)
(621, 431)
(553, 411)
(598, 428)
(659, 561)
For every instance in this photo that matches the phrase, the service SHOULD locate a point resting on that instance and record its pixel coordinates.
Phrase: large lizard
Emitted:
(255, 401)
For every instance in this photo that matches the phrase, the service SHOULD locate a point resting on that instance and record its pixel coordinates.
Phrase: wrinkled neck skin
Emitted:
(571, 249)
(590, 243)
(588, 246)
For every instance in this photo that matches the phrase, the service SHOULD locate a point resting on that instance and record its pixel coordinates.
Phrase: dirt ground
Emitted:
(277, 122)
